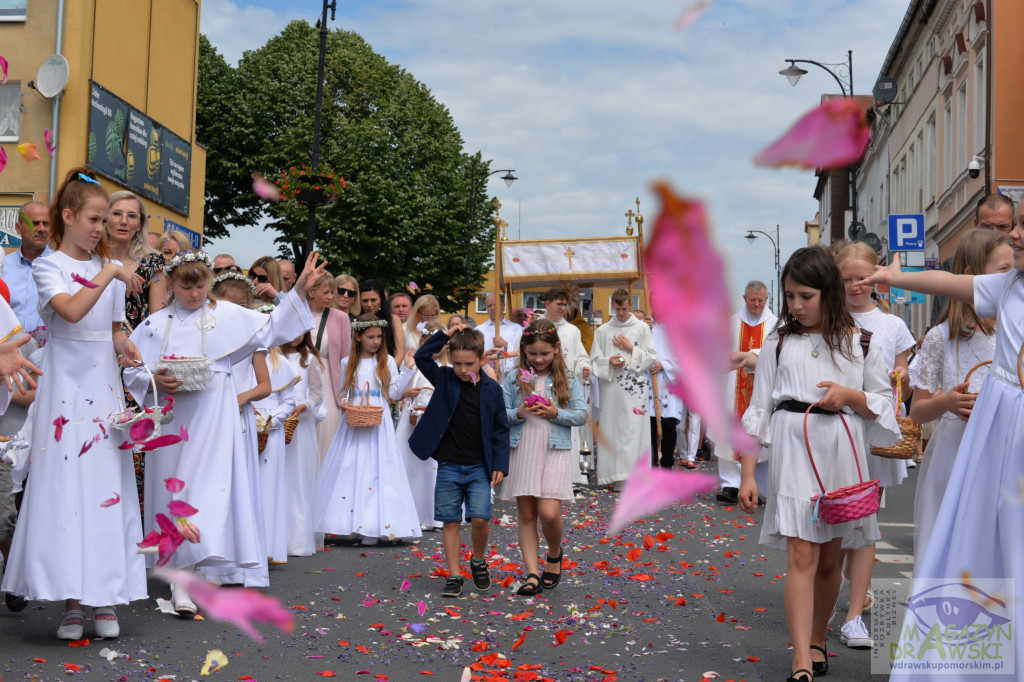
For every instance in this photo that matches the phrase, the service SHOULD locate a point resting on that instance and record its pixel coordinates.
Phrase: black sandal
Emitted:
(529, 589)
(819, 668)
(549, 580)
(803, 678)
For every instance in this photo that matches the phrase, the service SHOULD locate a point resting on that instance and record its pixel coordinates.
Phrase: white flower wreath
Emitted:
(188, 257)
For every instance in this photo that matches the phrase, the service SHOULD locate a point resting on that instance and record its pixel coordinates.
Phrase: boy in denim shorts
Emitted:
(465, 429)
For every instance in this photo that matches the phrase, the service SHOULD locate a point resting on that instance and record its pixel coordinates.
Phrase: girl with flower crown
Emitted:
(192, 345)
(362, 489)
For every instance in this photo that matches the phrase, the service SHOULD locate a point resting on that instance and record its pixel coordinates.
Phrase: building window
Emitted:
(947, 145)
(962, 138)
(535, 300)
(933, 152)
(979, 104)
(13, 10)
(10, 110)
(481, 304)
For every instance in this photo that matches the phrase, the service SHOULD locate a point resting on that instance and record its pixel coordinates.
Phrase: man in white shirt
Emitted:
(504, 341)
(577, 360)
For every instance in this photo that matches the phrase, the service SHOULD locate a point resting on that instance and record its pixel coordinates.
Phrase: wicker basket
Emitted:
(261, 437)
(967, 379)
(850, 503)
(906, 446)
(290, 425)
(363, 413)
(124, 418)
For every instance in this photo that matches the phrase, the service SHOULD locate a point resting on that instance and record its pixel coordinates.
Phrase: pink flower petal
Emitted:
(59, 423)
(649, 489)
(3, 74)
(75, 277)
(3, 159)
(85, 446)
(691, 13)
(637, 410)
(241, 606)
(693, 306)
(405, 585)
(174, 485)
(163, 441)
(833, 135)
(265, 189)
(181, 509)
(421, 607)
(169, 406)
(413, 287)
(111, 502)
(473, 376)
(51, 146)
(142, 429)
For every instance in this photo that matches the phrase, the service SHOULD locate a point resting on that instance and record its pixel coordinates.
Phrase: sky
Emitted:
(590, 101)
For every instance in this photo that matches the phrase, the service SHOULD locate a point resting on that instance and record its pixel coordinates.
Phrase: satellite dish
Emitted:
(52, 76)
(885, 90)
(873, 241)
(857, 231)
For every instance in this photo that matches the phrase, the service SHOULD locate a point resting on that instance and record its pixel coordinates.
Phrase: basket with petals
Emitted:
(906, 446)
(362, 413)
(849, 503)
(124, 418)
(290, 424)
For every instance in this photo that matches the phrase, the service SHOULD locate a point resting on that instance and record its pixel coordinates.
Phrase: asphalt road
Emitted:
(705, 599)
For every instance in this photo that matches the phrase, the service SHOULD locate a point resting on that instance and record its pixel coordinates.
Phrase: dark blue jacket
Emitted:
(447, 388)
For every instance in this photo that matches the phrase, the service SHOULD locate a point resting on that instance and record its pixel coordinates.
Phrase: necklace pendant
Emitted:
(814, 353)
(206, 322)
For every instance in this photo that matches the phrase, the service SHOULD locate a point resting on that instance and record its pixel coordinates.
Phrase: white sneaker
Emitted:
(72, 625)
(105, 621)
(369, 542)
(911, 464)
(855, 634)
(182, 602)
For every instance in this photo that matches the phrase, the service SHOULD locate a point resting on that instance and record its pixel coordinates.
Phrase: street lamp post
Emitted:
(509, 178)
(750, 237)
(317, 108)
(793, 74)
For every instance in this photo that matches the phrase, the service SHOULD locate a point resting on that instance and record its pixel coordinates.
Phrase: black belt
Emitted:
(801, 407)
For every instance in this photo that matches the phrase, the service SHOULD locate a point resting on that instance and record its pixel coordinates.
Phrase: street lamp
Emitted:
(509, 178)
(837, 71)
(750, 237)
(317, 108)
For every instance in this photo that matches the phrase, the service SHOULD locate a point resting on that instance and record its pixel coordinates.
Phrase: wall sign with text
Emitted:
(133, 150)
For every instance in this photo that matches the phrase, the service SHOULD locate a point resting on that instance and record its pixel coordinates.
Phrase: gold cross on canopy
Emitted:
(570, 253)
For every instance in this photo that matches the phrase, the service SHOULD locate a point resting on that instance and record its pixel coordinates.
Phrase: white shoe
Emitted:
(182, 602)
(369, 542)
(869, 601)
(72, 625)
(105, 621)
(855, 634)
(911, 464)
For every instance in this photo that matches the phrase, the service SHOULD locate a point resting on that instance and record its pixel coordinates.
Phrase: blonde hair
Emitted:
(862, 252)
(140, 245)
(424, 302)
(355, 307)
(180, 237)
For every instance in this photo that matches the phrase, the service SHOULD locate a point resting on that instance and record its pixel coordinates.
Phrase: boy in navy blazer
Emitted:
(466, 430)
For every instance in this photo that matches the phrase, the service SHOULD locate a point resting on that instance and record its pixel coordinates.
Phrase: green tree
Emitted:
(404, 213)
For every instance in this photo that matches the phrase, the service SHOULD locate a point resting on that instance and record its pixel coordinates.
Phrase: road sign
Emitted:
(194, 237)
(901, 296)
(906, 232)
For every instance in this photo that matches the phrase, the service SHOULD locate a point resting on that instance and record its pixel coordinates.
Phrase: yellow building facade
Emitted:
(127, 110)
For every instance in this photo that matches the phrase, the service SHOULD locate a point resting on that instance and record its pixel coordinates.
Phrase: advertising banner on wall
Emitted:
(133, 150)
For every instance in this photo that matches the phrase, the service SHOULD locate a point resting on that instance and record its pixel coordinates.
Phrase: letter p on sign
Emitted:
(906, 232)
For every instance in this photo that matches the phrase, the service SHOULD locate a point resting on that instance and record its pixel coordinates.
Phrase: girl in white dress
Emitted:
(362, 488)
(815, 358)
(422, 473)
(938, 373)
(893, 341)
(70, 544)
(541, 461)
(214, 462)
(301, 459)
(977, 530)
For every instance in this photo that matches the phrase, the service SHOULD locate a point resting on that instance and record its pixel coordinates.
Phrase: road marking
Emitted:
(883, 545)
(906, 574)
(895, 558)
(897, 525)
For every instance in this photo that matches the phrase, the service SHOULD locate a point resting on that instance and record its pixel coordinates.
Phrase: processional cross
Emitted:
(570, 253)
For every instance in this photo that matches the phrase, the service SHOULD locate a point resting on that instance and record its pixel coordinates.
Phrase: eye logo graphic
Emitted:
(964, 613)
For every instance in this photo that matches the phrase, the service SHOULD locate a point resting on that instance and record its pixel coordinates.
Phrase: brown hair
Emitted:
(863, 252)
(467, 339)
(72, 195)
(233, 284)
(546, 331)
(305, 349)
(620, 296)
(972, 253)
(556, 293)
(382, 372)
(814, 267)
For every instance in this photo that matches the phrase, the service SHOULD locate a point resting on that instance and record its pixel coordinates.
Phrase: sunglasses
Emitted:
(342, 291)
(229, 268)
(262, 279)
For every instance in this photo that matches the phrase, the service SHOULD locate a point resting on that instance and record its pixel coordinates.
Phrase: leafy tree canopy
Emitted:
(408, 199)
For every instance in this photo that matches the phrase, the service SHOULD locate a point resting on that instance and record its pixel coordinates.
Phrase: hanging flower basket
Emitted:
(309, 189)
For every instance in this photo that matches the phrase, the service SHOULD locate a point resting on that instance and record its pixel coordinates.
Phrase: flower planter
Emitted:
(313, 196)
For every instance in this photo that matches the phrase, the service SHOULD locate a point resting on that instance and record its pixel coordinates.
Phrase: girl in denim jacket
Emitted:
(543, 402)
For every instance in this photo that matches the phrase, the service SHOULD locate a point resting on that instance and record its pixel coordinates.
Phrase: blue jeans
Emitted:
(459, 484)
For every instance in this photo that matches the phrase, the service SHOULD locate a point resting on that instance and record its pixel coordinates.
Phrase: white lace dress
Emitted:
(942, 364)
(889, 338)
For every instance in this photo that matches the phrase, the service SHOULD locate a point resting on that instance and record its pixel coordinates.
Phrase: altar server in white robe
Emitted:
(622, 356)
(503, 341)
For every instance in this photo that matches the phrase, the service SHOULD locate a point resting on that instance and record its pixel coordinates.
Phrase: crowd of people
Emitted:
(292, 406)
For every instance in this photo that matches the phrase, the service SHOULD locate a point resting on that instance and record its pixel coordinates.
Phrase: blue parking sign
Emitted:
(906, 232)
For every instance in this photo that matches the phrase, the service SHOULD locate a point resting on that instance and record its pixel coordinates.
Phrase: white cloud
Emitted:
(590, 102)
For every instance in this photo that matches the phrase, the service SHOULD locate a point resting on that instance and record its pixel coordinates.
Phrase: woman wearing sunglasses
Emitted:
(346, 296)
(265, 273)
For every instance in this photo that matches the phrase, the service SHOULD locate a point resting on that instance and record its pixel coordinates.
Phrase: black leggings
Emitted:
(668, 441)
